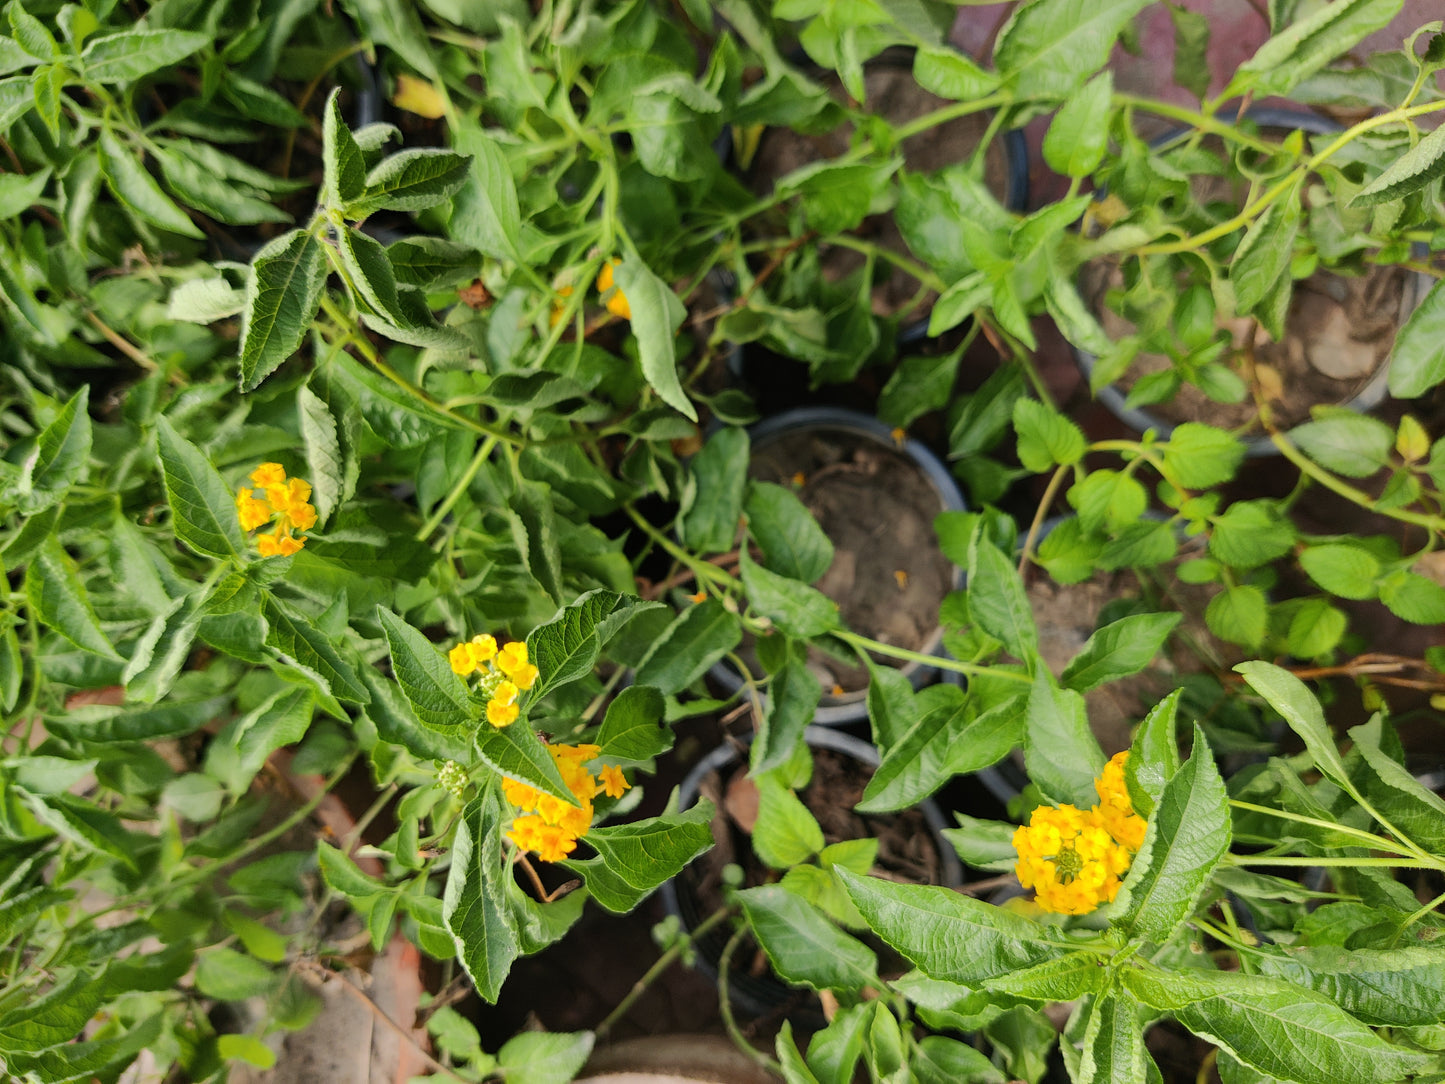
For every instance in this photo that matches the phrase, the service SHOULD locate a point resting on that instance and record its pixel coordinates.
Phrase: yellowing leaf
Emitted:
(419, 97)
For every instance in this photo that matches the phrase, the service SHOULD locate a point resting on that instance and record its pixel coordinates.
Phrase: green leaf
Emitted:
(1417, 812)
(215, 196)
(1239, 614)
(836, 196)
(1274, 1026)
(1061, 752)
(656, 315)
(298, 638)
(1108, 501)
(1251, 533)
(1119, 649)
(1342, 570)
(794, 607)
(919, 384)
(1412, 171)
(1067, 978)
(1261, 261)
(56, 1016)
(472, 907)
(203, 508)
(1402, 987)
(1297, 52)
(633, 728)
(287, 277)
(1201, 457)
(940, 1060)
(1417, 362)
(795, 1069)
(435, 692)
(960, 301)
(892, 707)
(59, 600)
(344, 168)
(1049, 47)
(793, 544)
(917, 764)
(204, 301)
(396, 416)
(1113, 1042)
(518, 753)
(485, 212)
(343, 876)
(1346, 442)
(786, 834)
(720, 471)
(61, 453)
(412, 181)
(803, 946)
(1191, 50)
(1154, 756)
(371, 275)
(544, 1057)
(396, 723)
(127, 56)
(951, 74)
(793, 696)
(1046, 438)
(1291, 698)
(986, 845)
(644, 854)
(566, 647)
(1415, 598)
(946, 935)
(698, 637)
(244, 743)
(137, 190)
(325, 464)
(1189, 832)
(1078, 135)
(228, 975)
(18, 192)
(997, 599)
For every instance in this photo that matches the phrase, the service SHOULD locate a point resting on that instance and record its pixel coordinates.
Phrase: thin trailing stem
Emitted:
(938, 661)
(1052, 491)
(663, 962)
(484, 451)
(726, 1009)
(1379, 843)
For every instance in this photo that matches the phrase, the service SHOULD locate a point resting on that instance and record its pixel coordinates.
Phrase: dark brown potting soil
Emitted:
(876, 505)
(892, 94)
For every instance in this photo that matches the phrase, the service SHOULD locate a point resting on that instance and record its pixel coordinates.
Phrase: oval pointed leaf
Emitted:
(287, 277)
(203, 508)
(427, 681)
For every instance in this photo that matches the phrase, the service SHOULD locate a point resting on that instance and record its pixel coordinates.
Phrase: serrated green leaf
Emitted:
(131, 54)
(1067, 978)
(1119, 649)
(644, 854)
(657, 313)
(204, 301)
(785, 834)
(1201, 457)
(433, 690)
(371, 275)
(485, 212)
(1417, 362)
(1154, 755)
(137, 190)
(1291, 698)
(948, 936)
(475, 914)
(1346, 442)
(1262, 259)
(518, 753)
(61, 453)
(917, 764)
(1046, 438)
(1061, 752)
(793, 696)
(997, 600)
(794, 607)
(344, 168)
(1403, 987)
(720, 471)
(1301, 49)
(284, 289)
(633, 728)
(214, 196)
(1078, 135)
(698, 637)
(566, 647)
(1342, 570)
(299, 639)
(325, 464)
(951, 74)
(803, 946)
(58, 599)
(412, 180)
(1047, 49)
(203, 508)
(793, 544)
(1189, 832)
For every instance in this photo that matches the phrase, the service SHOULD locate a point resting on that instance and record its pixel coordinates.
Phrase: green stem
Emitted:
(1417, 915)
(725, 1006)
(1202, 121)
(664, 961)
(1379, 843)
(1350, 493)
(443, 509)
(702, 570)
(914, 268)
(1052, 491)
(938, 661)
(1298, 860)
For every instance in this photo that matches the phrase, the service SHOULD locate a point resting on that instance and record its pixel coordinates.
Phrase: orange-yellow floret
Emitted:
(285, 498)
(1115, 808)
(461, 660)
(511, 658)
(505, 694)
(1068, 858)
(546, 824)
(559, 309)
(616, 301)
(614, 785)
(500, 715)
(483, 647)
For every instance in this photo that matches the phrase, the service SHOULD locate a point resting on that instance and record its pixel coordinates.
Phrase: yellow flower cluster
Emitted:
(616, 301)
(505, 674)
(548, 825)
(282, 498)
(1074, 859)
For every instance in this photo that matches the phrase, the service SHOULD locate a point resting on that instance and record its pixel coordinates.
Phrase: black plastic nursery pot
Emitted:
(695, 892)
(1325, 307)
(876, 497)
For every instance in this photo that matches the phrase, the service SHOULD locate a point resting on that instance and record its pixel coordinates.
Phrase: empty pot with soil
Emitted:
(910, 849)
(875, 497)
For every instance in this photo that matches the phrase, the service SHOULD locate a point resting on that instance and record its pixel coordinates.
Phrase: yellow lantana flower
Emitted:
(505, 673)
(614, 784)
(1069, 859)
(616, 300)
(547, 825)
(1115, 808)
(285, 500)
